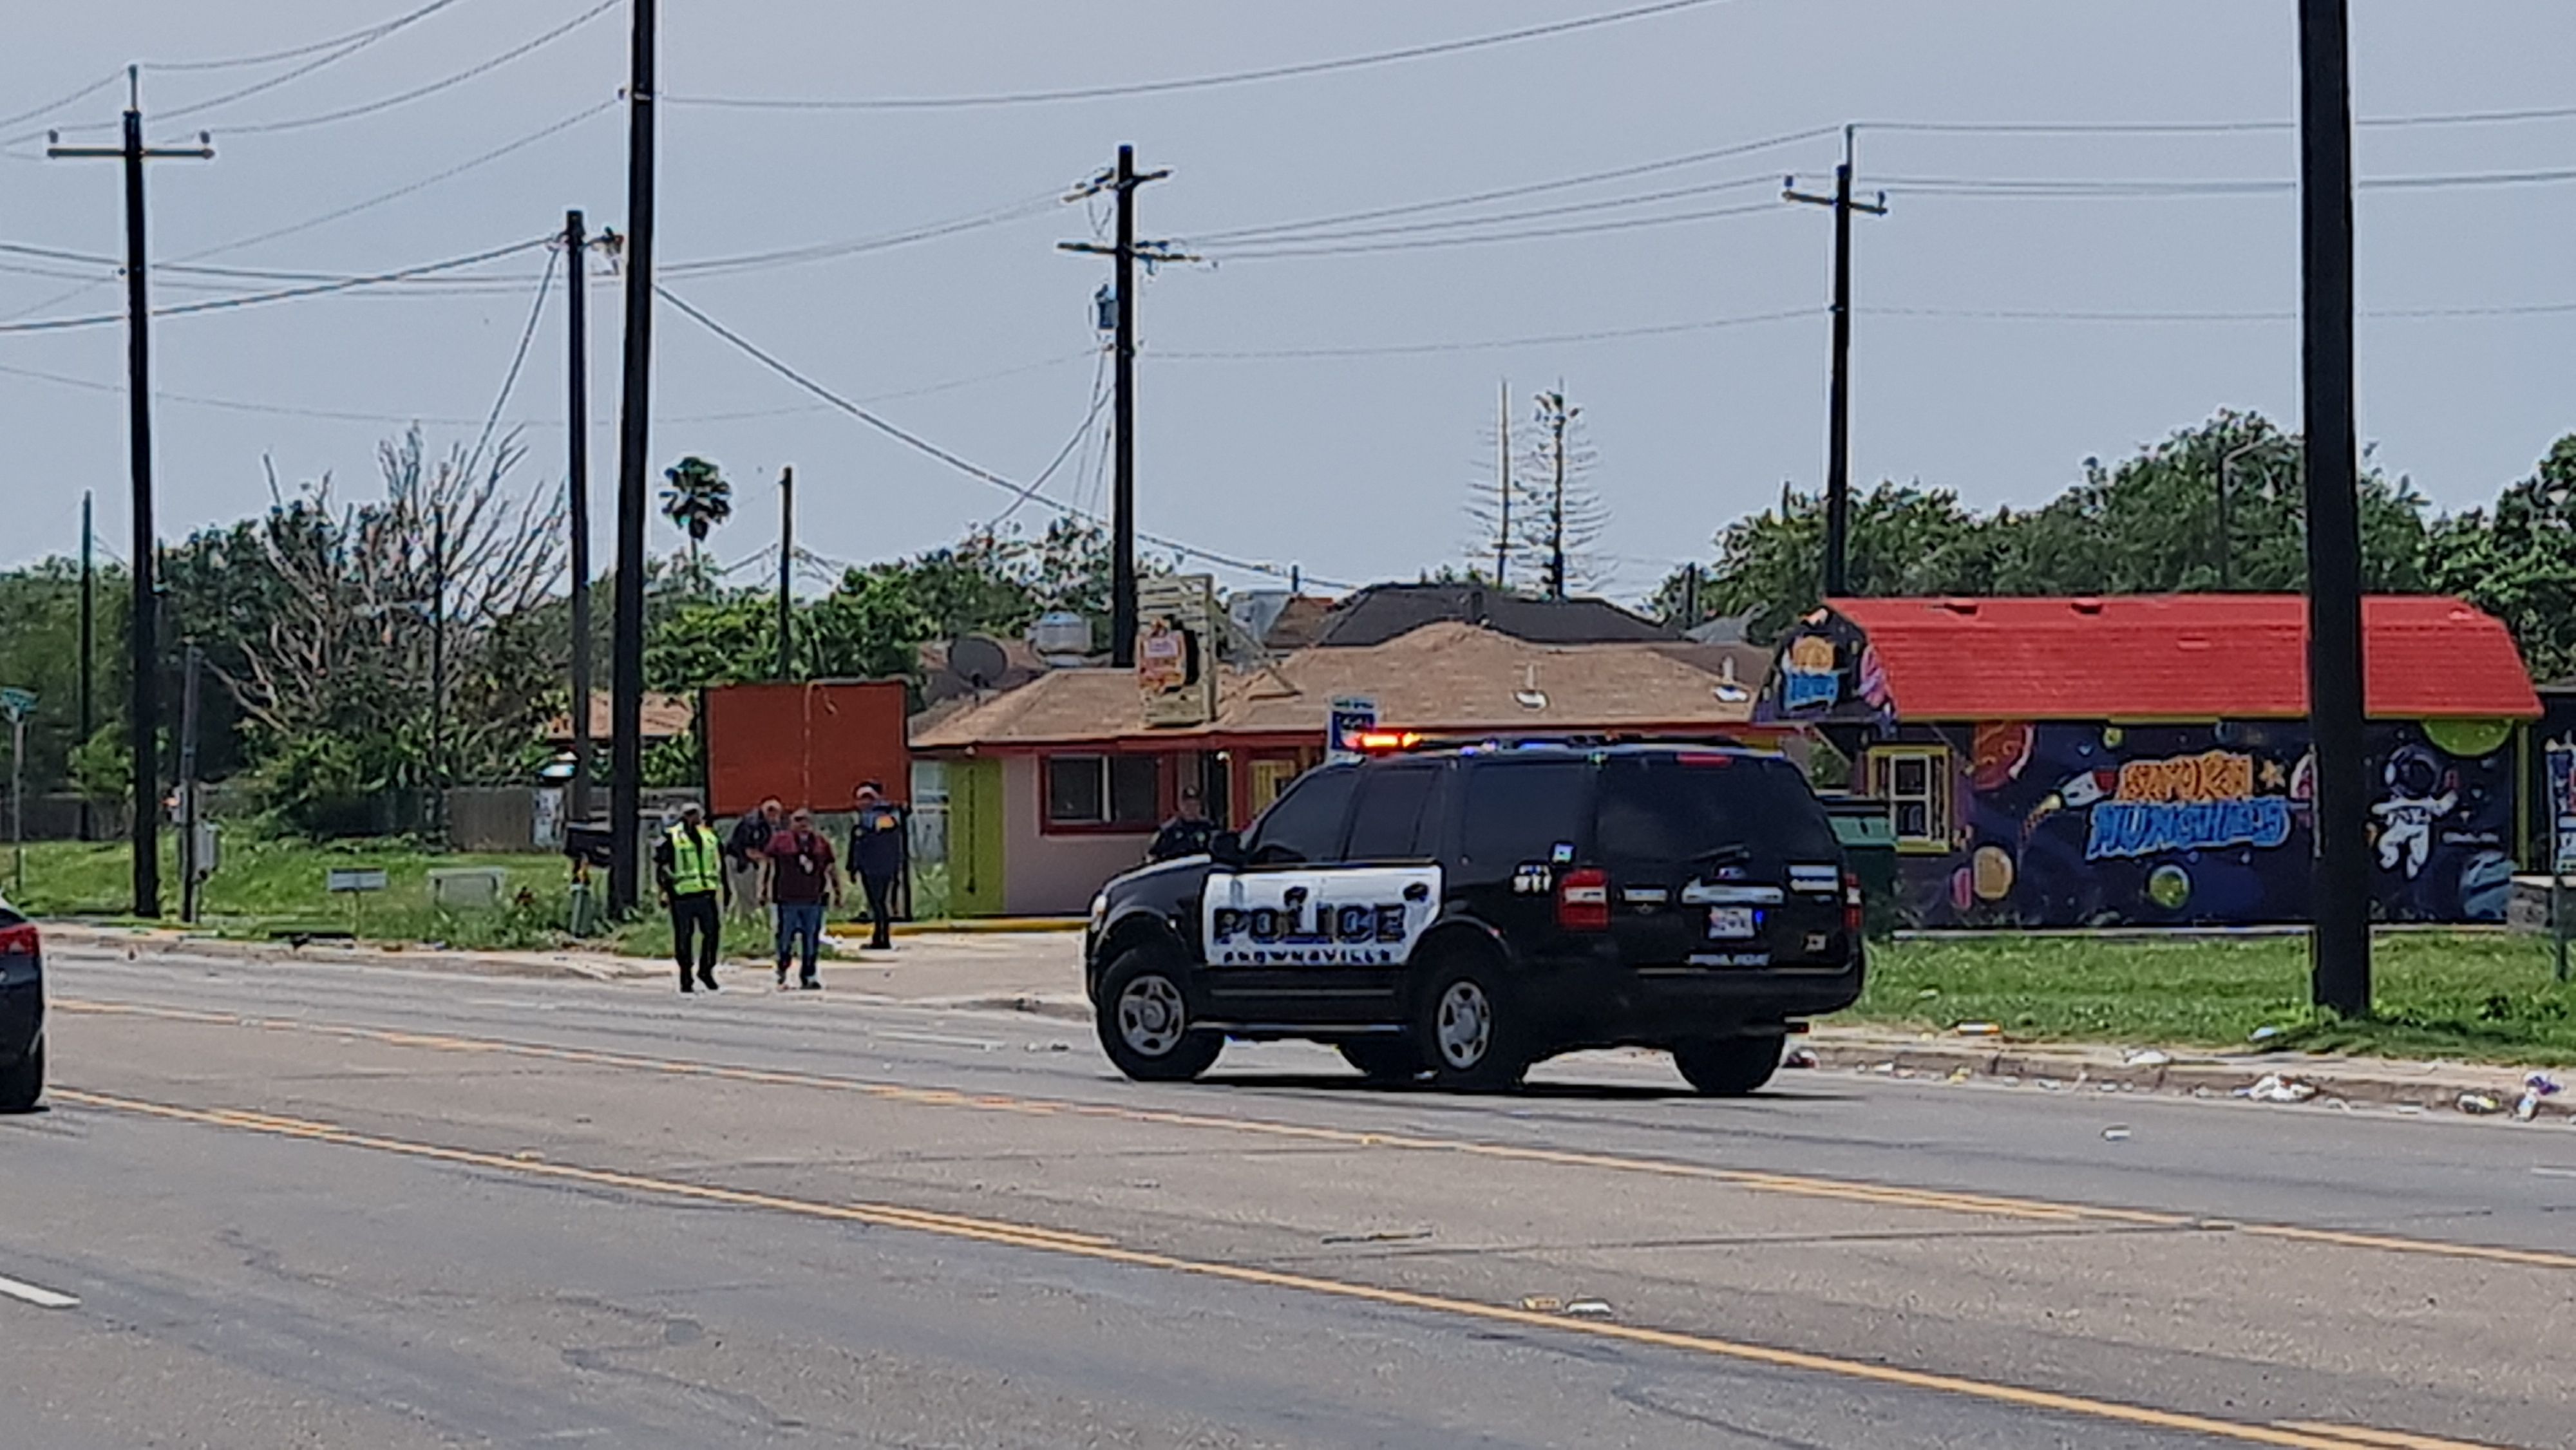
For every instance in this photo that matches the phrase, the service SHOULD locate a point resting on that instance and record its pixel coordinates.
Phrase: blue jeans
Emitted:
(799, 919)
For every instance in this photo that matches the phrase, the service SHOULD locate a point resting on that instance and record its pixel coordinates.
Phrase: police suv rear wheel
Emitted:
(22, 1085)
(1469, 1028)
(1144, 1021)
(1383, 1059)
(1729, 1067)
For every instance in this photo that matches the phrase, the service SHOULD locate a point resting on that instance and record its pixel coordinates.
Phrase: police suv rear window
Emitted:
(1676, 808)
(1520, 811)
(1386, 824)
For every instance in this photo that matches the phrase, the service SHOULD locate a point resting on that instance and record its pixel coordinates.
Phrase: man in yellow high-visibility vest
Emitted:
(690, 863)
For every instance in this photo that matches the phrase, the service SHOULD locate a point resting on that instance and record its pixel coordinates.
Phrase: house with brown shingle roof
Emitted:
(1059, 784)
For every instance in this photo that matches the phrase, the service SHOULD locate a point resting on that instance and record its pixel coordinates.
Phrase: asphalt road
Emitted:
(307, 1205)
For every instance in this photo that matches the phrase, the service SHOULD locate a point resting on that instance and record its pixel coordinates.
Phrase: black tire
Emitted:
(1142, 1014)
(1729, 1067)
(23, 1085)
(1468, 1021)
(1383, 1059)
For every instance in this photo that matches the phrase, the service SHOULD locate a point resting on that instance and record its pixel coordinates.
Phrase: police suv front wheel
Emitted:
(1729, 1067)
(1469, 1027)
(1144, 1020)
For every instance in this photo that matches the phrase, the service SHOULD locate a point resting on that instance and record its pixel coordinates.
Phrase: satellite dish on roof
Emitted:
(977, 660)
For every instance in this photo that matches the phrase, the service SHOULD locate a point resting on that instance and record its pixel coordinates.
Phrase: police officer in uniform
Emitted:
(877, 842)
(690, 865)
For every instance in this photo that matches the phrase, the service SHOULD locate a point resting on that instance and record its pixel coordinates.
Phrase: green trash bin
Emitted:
(1867, 830)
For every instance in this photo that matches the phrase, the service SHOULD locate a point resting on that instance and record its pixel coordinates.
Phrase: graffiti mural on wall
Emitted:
(2067, 824)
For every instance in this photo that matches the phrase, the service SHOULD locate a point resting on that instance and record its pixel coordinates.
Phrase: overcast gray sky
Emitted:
(1353, 465)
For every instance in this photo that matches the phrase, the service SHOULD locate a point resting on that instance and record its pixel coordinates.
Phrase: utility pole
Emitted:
(88, 645)
(1838, 427)
(143, 708)
(2340, 961)
(786, 573)
(191, 870)
(1690, 599)
(438, 670)
(1124, 179)
(2225, 543)
(576, 245)
(634, 437)
(1503, 487)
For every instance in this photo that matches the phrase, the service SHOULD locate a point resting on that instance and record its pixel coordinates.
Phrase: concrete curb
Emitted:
(138, 942)
(2430, 1086)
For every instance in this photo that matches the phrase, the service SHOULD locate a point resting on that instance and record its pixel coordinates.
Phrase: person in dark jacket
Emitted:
(745, 851)
(877, 855)
(1190, 833)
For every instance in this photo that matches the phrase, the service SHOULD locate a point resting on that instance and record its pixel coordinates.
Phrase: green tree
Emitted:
(2150, 524)
(1904, 540)
(40, 651)
(2519, 562)
(698, 499)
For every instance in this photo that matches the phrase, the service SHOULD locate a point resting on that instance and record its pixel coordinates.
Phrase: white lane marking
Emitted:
(2555, 1172)
(933, 1039)
(42, 1298)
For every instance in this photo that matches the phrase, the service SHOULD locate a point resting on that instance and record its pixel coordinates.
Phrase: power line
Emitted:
(2245, 126)
(1494, 344)
(216, 304)
(1090, 419)
(2391, 314)
(1620, 173)
(518, 358)
(387, 103)
(1527, 234)
(923, 445)
(1194, 83)
(1573, 208)
(2113, 188)
(240, 62)
(824, 251)
(85, 92)
(329, 56)
(399, 192)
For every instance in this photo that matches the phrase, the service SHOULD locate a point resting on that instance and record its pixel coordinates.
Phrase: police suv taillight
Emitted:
(1851, 905)
(1583, 899)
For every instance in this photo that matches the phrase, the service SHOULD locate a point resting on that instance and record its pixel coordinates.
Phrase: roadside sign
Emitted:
(340, 882)
(17, 704)
(1352, 715)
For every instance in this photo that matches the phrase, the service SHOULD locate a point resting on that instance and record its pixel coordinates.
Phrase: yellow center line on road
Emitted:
(1108, 1251)
(1796, 1185)
(2359, 1437)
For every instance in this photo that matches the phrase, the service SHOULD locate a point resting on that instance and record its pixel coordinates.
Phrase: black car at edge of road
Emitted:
(22, 1012)
(1462, 912)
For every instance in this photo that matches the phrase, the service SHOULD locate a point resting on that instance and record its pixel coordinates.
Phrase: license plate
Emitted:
(1733, 923)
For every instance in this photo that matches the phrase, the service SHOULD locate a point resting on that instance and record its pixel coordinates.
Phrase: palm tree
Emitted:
(698, 499)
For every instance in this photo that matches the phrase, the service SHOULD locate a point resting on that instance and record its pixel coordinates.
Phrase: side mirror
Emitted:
(1226, 848)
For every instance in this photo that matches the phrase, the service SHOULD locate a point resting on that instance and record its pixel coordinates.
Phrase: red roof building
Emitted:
(2145, 759)
(2181, 657)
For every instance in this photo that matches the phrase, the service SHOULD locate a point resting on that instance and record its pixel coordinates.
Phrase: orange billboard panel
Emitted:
(808, 745)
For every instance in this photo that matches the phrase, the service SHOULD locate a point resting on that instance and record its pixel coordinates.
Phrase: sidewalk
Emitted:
(1041, 972)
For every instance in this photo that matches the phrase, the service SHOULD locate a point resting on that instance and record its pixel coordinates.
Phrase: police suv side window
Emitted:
(1306, 823)
(1386, 825)
(1521, 811)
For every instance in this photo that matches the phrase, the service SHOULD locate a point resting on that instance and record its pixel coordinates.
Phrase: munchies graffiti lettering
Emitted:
(2186, 803)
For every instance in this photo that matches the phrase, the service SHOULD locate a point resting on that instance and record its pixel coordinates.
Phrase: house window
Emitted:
(1915, 783)
(1119, 792)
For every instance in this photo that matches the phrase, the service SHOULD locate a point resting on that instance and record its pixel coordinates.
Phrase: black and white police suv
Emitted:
(22, 1012)
(1465, 911)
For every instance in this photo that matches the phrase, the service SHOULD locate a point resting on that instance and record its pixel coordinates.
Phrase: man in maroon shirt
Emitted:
(799, 876)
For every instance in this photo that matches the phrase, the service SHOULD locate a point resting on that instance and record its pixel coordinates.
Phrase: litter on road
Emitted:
(2272, 1087)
